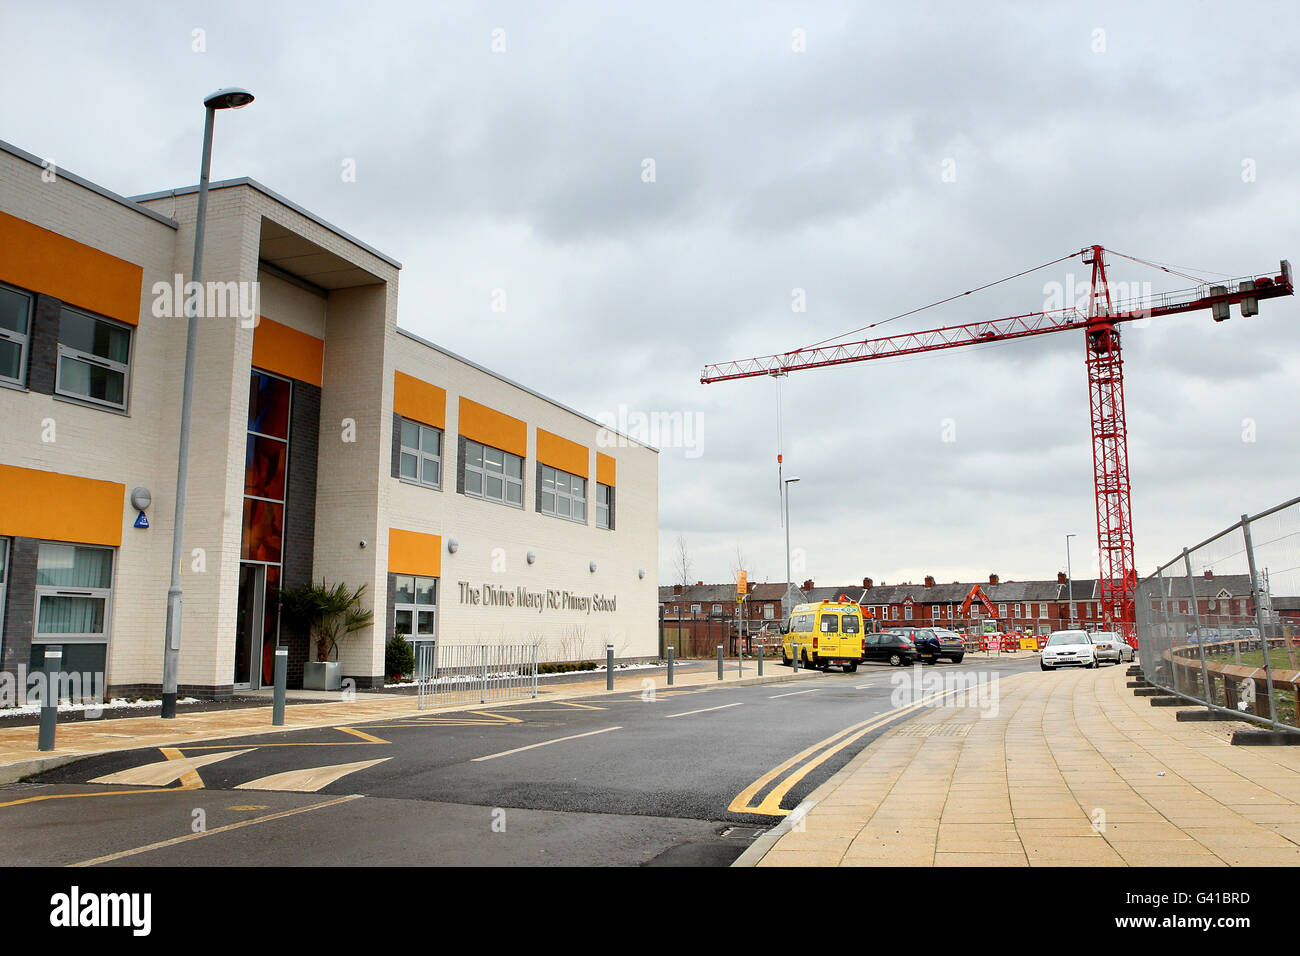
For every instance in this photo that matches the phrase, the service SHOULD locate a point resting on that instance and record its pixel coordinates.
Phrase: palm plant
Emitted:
(327, 613)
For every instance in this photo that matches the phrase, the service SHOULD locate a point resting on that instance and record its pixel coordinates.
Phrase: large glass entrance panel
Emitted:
(248, 629)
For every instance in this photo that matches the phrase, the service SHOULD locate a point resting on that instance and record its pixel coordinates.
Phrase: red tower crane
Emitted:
(1101, 325)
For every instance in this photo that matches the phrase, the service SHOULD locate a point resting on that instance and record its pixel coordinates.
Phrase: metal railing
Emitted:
(1220, 623)
(468, 673)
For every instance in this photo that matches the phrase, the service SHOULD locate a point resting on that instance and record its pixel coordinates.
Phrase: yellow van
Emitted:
(828, 633)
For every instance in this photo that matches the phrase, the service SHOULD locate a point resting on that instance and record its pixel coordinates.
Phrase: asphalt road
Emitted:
(689, 776)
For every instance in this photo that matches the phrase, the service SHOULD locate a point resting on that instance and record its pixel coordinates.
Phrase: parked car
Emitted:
(1126, 649)
(929, 649)
(1068, 649)
(895, 648)
(954, 645)
(1110, 647)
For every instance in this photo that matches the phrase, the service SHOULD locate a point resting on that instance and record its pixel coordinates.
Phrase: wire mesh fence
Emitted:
(1220, 622)
(468, 673)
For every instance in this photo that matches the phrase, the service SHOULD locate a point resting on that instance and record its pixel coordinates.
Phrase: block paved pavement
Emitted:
(1072, 770)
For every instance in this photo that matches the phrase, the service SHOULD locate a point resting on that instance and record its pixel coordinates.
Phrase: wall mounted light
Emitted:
(640, 573)
(592, 567)
(453, 545)
(532, 556)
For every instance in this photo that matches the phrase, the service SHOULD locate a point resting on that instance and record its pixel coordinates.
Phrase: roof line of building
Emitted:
(523, 388)
(253, 183)
(81, 181)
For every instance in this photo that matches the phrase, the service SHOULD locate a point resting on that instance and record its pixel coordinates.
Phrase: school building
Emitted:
(327, 444)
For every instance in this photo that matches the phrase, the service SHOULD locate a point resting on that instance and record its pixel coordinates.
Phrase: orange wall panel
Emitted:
(605, 468)
(45, 504)
(562, 454)
(288, 352)
(487, 425)
(413, 552)
(419, 401)
(43, 261)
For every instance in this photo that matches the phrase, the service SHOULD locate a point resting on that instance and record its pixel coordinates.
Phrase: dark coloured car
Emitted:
(954, 645)
(895, 648)
(926, 644)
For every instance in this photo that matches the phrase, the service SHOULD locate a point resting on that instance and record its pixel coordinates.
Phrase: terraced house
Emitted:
(327, 443)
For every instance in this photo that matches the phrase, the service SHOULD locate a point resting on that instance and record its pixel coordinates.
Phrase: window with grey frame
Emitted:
(94, 359)
(493, 474)
(604, 506)
(15, 334)
(421, 454)
(563, 495)
(74, 586)
(415, 607)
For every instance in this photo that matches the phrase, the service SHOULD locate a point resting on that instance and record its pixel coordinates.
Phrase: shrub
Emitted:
(399, 656)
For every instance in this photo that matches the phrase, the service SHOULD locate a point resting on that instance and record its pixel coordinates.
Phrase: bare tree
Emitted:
(682, 566)
(738, 562)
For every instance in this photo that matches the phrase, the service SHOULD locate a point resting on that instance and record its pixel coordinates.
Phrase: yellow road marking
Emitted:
(175, 767)
(190, 780)
(98, 793)
(225, 829)
(309, 780)
(544, 743)
(368, 738)
(365, 740)
(822, 751)
(249, 806)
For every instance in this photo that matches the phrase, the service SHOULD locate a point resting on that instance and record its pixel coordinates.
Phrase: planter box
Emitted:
(322, 675)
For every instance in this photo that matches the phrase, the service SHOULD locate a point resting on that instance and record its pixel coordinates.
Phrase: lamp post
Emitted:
(785, 487)
(1069, 577)
(231, 98)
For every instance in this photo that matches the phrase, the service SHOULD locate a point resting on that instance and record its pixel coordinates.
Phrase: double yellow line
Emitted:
(815, 756)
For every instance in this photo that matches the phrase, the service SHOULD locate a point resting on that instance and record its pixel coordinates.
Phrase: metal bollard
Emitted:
(760, 660)
(50, 697)
(670, 665)
(609, 667)
(719, 662)
(281, 681)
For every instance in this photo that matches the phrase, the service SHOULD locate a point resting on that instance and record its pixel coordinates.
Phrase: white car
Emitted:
(1068, 649)
(1111, 647)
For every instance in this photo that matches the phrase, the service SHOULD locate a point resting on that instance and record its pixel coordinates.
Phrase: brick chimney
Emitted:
(993, 579)
(1061, 578)
(677, 589)
(808, 585)
(699, 584)
(1208, 574)
(929, 580)
(866, 583)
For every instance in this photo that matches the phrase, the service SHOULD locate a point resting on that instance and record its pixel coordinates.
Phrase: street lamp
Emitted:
(232, 98)
(1069, 577)
(785, 487)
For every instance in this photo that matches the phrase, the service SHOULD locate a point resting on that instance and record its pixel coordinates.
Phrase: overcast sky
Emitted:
(875, 157)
